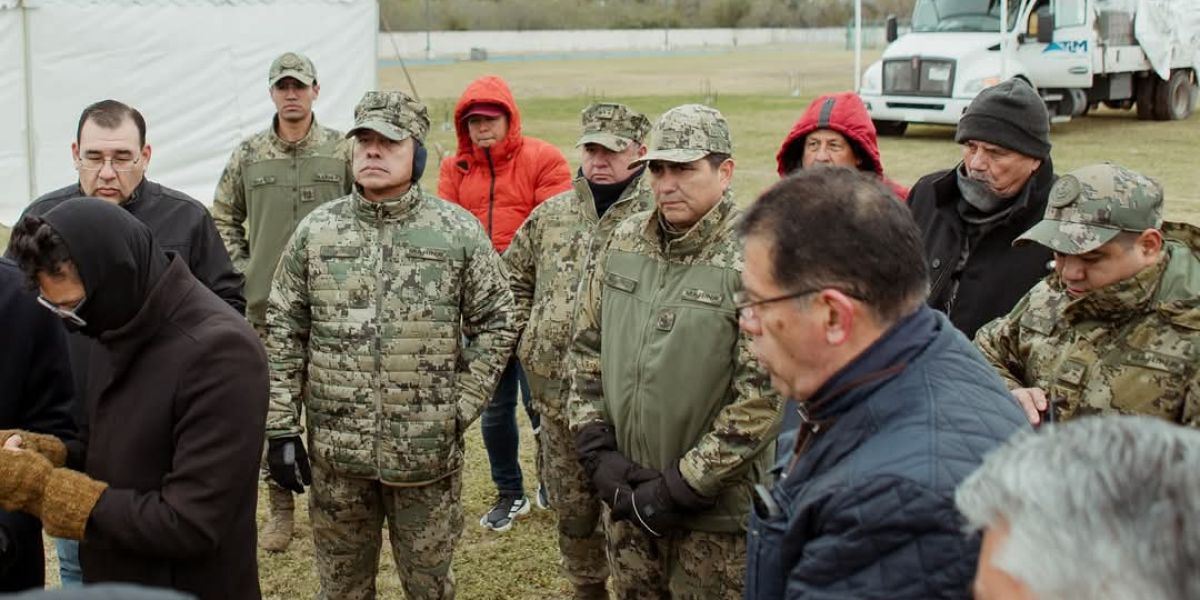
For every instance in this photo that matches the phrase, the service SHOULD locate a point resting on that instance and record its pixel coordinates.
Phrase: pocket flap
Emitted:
(340, 251)
(621, 282)
(1072, 373)
(426, 253)
(264, 180)
(1156, 361)
(1037, 323)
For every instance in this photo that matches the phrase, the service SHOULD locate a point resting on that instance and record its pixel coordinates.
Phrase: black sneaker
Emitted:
(505, 512)
(543, 498)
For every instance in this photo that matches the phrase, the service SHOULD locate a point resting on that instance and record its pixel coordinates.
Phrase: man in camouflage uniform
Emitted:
(272, 180)
(392, 314)
(547, 260)
(1116, 328)
(673, 416)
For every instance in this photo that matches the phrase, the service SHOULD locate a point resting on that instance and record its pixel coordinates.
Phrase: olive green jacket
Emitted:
(267, 187)
(658, 354)
(393, 321)
(1130, 348)
(548, 261)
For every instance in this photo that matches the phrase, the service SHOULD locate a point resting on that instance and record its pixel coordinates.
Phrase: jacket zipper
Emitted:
(491, 191)
(377, 349)
(660, 280)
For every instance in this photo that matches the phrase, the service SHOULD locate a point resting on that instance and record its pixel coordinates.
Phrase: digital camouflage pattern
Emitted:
(1088, 207)
(370, 308)
(689, 132)
(294, 65)
(424, 524)
(704, 566)
(548, 261)
(394, 115)
(1129, 348)
(614, 126)
(658, 354)
(267, 187)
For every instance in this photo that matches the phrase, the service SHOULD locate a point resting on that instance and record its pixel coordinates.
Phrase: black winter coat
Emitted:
(35, 395)
(997, 274)
(865, 508)
(175, 423)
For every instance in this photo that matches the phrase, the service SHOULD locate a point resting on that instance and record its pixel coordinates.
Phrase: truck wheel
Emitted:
(1144, 97)
(1173, 98)
(890, 127)
(1119, 104)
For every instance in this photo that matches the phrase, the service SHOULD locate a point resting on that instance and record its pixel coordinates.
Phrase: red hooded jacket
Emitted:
(502, 184)
(846, 114)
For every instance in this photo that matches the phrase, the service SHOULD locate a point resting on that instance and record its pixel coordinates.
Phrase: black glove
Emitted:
(659, 505)
(608, 469)
(288, 463)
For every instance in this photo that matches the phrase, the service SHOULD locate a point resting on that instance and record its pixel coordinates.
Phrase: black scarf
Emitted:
(606, 194)
(116, 257)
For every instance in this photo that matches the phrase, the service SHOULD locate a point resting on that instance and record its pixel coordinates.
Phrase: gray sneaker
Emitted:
(505, 512)
(543, 498)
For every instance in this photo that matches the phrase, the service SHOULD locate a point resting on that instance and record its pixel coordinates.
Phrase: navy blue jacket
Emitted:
(865, 507)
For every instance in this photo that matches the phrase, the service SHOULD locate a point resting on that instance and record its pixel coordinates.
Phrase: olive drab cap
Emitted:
(687, 133)
(294, 65)
(614, 126)
(1088, 207)
(394, 115)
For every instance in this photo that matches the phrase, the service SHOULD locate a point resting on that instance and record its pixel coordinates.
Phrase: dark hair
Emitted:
(109, 114)
(37, 248)
(840, 228)
(716, 158)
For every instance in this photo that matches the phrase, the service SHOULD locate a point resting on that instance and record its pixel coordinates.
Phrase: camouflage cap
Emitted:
(395, 115)
(292, 64)
(614, 126)
(1088, 207)
(687, 133)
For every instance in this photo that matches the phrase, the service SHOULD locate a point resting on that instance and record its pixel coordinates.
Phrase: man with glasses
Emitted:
(673, 416)
(273, 180)
(111, 156)
(891, 406)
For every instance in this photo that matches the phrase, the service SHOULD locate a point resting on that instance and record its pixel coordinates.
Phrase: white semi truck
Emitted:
(1077, 53)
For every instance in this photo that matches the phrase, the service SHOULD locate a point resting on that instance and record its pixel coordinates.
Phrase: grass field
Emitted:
(761, 91)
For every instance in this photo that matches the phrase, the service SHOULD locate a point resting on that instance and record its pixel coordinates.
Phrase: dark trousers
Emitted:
(22, 561)
(500, 435)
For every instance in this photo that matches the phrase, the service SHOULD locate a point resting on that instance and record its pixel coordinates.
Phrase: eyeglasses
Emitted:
(66, 314)
(745, 306)
(120, 165)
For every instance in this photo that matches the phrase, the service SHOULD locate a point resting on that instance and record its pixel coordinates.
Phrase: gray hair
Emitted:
(1101, 507)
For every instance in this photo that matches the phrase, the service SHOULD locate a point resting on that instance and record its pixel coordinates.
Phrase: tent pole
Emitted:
(857, 44)
(31, 179)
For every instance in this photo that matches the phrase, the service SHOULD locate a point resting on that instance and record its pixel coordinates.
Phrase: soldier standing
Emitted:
(271, 182)
(673, 416)
(549, 256)
(1115, 328)
(395, 311)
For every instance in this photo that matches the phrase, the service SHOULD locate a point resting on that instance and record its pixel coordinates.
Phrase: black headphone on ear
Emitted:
(420, 155)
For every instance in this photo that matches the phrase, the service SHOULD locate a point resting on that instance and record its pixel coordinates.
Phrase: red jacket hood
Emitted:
(492, 90)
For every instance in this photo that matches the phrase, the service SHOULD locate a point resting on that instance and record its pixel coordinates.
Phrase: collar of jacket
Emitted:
(947, 194)
(1118, 301)
(391, 209)
(131, 202)
(170, 289)
(583, 193)
(695, 238)
(300, 144)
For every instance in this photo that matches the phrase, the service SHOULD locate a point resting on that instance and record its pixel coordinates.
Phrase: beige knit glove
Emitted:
(46, 445)
(63, 499)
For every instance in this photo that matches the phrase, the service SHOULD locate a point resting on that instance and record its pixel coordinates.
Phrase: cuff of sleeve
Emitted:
(696, 478)
(68, 502)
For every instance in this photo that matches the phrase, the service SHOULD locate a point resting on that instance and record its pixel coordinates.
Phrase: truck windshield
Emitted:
(962, 15)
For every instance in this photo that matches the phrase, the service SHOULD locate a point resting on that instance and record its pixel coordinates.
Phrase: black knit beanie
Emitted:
(1008, 114)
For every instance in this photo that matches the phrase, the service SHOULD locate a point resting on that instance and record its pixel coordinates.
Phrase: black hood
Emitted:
(116, 256)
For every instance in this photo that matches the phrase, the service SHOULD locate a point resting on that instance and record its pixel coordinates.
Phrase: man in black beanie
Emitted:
(970, 215)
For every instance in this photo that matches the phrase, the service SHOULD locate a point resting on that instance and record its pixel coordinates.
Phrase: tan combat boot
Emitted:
(277, 532)
(590, 591)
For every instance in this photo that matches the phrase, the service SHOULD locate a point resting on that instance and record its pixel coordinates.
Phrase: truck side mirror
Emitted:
(1045, 25)
(891, 28)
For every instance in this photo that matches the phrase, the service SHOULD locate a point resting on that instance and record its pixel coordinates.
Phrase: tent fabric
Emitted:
(196, 69)
(1169, 33)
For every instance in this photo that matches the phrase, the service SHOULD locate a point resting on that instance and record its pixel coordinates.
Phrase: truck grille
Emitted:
(918, 77)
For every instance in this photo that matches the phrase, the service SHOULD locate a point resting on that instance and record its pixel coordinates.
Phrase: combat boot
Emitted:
(590, 591)
(277, 532)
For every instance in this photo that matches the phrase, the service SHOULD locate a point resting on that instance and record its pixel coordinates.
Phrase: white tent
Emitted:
(196, 69)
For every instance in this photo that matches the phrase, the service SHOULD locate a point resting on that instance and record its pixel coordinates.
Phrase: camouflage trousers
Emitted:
(683, 565)
(424, 524)
(580, 537)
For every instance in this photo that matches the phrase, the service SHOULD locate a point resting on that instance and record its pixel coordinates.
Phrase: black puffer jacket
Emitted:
(865, 507)
(996, 275)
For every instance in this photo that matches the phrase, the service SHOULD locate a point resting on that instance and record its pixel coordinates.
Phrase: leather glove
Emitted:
(288, 463)
(608, 469)
(63, 499)
(46, 445)
(659, 505)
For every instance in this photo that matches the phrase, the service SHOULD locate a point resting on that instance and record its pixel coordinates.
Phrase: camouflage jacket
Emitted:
(658, 354)
(1130, 348)
(395, 318)
(267, 187)
(547, 260)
